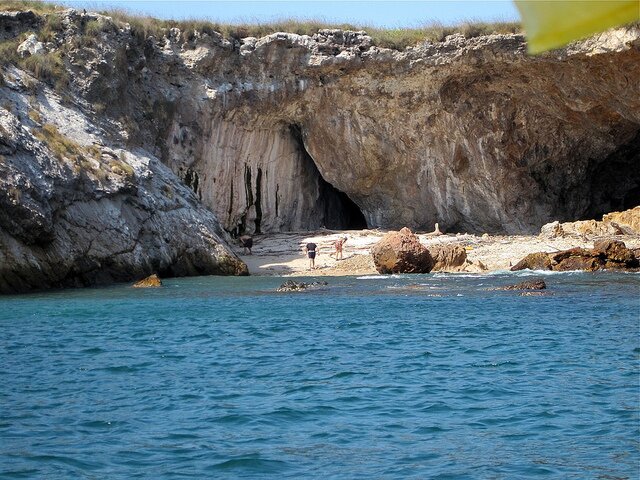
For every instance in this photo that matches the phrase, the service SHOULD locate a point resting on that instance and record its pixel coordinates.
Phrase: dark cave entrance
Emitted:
(340, 212)
(336, 210)
(615, 181)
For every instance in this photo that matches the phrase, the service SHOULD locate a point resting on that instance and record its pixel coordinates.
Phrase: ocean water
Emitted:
(426, 376)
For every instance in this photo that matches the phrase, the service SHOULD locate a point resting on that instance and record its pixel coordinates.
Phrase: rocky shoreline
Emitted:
(282, 254)
(124, 154)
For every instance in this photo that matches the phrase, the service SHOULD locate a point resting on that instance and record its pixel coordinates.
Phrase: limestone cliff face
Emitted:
(76, 212)
(292, 132)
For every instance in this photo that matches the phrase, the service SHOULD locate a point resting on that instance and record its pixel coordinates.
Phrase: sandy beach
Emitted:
(283, 253)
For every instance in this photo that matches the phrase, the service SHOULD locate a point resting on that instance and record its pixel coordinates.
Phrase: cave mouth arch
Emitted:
(336, 209)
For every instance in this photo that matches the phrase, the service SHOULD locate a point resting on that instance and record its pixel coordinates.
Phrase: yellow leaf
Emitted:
(552, 24)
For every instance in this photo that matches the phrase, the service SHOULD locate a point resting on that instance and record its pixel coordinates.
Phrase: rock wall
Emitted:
(470, 133)
(76, 212)
(292, 132)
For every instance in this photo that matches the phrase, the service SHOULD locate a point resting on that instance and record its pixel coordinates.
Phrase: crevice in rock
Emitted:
(337, 210)
(258, 200)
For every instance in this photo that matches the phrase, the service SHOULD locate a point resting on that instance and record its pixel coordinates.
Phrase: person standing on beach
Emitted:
(339, 244)
(311, 249)
(247, 243)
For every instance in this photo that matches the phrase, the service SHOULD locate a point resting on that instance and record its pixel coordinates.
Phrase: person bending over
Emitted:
(339, 244)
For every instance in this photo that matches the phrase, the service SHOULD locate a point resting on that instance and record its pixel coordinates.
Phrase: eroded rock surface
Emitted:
(613, 223)
(291, 132)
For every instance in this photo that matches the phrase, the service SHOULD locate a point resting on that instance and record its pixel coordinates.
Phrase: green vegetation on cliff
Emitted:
(145, 26)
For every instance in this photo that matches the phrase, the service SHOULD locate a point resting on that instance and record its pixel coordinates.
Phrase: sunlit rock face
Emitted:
(470, 133)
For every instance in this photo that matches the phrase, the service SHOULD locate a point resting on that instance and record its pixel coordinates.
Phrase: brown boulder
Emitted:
(606, 254)
(448, 257)
(614, 251)
(401, 252)
(152, 281)
(579, 262)
(534, 261)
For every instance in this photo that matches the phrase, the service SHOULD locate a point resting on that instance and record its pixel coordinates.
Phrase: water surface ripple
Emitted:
(427, 376)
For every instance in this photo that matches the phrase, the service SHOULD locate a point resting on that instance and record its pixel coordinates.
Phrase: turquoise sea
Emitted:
(424, 376)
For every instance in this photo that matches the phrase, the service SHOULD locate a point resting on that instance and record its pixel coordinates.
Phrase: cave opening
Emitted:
(336, 209)
(340, 212)
(615, 181)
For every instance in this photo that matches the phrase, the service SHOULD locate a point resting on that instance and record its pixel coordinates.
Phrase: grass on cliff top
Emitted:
(35, 5)
(398, 38)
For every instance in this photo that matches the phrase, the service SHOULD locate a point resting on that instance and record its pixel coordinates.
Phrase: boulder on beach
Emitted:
(448, 258)
(401, 252)
(534, 261)
(606, 255)
(152, 281)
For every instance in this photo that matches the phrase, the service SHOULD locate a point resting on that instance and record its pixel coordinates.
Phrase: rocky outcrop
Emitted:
(614, 223)
(76, 212)
(629, 220)
(152, 281)
(401, 252)
(605, 255)
(31, 46)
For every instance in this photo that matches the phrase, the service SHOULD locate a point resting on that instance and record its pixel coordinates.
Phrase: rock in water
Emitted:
(152, 281)
(606, 255)
(291, 286)
(401, 252)
(528, 285)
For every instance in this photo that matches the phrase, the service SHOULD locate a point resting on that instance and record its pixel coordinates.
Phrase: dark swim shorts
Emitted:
(311, 253)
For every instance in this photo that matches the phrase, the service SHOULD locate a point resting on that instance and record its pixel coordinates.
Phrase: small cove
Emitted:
(424, 376)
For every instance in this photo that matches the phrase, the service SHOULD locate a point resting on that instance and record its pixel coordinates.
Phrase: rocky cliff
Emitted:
(295, 132)
(76, 212)
(291, 132)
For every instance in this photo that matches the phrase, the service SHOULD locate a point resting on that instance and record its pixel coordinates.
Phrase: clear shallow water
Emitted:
(369, 378)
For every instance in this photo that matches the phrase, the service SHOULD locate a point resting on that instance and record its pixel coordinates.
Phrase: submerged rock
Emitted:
(291, 286)
(537, 284)
(152, 281)
(401, 252)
